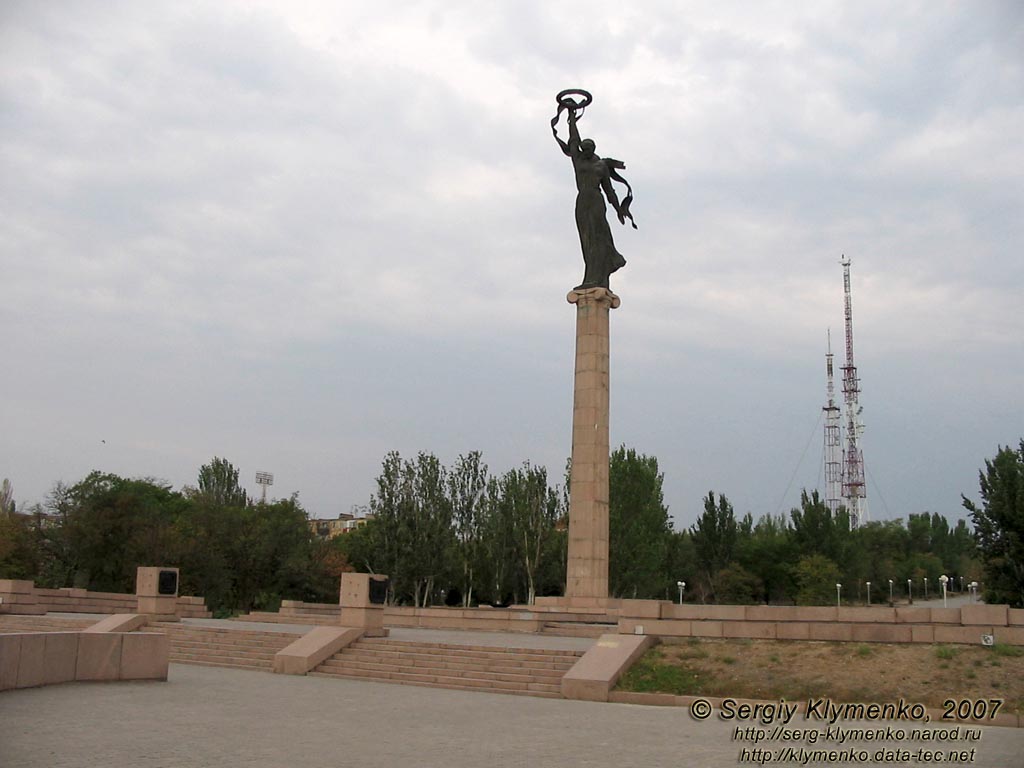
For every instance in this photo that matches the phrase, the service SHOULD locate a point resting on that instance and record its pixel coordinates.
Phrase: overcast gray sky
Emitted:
(300, 235)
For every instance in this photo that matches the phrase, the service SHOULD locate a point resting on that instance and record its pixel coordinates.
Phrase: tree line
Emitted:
(459, 535)
(237, 554)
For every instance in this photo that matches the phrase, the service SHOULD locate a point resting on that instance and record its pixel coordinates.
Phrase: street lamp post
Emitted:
(682, 588)
(869, 593)
(910, 592)
(890, 592)
(839, 589)
(925, 587)
(943, 579)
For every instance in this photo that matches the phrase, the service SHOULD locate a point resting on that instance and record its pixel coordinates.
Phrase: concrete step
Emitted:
(441, 680)
(347, 666)
(228, 659)
(576, 629)
(276, 618)
(496, 663)
(211, 651)
(447, 685)
(226, 664)
(185, 639)
(446, 649)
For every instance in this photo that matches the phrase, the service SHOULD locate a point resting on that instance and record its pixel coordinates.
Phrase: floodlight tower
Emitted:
(833, 441)
(854, 487)
(264, 479)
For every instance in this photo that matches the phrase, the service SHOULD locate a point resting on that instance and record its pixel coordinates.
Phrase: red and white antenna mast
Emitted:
(833, 441)
(854, 488)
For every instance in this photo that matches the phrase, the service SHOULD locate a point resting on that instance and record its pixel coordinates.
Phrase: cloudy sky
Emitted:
(300, 235)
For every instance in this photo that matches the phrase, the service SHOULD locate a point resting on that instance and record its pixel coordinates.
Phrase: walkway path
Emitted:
(206, 717)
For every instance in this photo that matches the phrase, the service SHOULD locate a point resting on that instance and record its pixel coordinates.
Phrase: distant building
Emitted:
(344, 523)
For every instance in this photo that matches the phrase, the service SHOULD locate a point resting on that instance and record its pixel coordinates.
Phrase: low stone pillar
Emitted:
(362, 602)
(18, 596)
(157, 591)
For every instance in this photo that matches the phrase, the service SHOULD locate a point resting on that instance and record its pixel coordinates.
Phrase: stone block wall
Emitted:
(24, 598)
(879, 624)
(31, 659)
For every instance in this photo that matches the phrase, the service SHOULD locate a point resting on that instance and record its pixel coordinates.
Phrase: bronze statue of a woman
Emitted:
(593, 175)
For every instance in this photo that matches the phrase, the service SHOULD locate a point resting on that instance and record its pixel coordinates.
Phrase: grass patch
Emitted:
(653, 674)
(1002, 649)
(795, 670)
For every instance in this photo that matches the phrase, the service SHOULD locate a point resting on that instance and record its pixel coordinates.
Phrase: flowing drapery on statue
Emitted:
(594, 175)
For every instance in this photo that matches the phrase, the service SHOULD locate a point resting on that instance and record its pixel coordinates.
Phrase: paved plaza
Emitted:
(206, 716)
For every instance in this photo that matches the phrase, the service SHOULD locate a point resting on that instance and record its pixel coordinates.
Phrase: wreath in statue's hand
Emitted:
(566, 101)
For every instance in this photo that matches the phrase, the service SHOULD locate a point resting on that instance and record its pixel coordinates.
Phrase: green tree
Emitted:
(19, 558)
(218, 483)
(467, 493)
(816, 577)
(768, 553)
(735, 585)
(500, 568)
(18, 554)
(714, 539)
(6, 497)
(270, 554)
(681, 560)
(639, 526)
(211, 528)
(884, 543)
(115, 525)
(999, 524)
(816, 530)
(433, 537)
(414, 525)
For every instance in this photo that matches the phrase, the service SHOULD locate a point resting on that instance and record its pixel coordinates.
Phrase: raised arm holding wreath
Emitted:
(594, 175)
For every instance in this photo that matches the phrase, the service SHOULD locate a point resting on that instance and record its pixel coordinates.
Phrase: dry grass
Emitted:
(865, 672)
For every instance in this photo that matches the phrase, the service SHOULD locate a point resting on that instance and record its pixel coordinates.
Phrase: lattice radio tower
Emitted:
(833, 440)
(854, 488)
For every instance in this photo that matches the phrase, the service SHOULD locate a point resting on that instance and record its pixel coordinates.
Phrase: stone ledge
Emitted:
(313, 648)
(595, 674)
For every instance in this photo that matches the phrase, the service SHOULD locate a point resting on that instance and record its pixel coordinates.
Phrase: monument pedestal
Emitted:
(586, 580)
(362, 602)
(157, 592)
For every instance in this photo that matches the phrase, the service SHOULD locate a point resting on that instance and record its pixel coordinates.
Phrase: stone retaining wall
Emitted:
(882, 624)
(30, 659)
(23, 597)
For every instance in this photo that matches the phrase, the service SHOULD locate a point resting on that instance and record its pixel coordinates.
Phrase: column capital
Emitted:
(584, 296)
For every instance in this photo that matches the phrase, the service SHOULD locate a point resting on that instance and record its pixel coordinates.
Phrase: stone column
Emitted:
(586, 578)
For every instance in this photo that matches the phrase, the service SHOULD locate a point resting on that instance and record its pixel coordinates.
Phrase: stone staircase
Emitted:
(523, 671)
(215, 647)
(496, 669)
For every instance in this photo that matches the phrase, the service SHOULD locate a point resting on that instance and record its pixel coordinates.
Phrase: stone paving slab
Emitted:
(207, 717)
